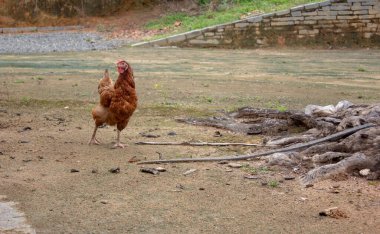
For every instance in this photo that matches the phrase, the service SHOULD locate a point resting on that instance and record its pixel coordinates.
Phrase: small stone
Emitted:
(188, 172)
(309, 185)
(74, 170)
(114, 170)
(251, 177)
(94, 171)
(234, 165)
(150, 171)
(160, 169)
(365, 172)
(333, 212)
(1, 153)
(180, 186)
(334, 191)
(264, 183)
(289, 177)
(104, 202)
(218, 134)
(336, 186)
(229, 170)
(26, 129)
(201, 189)
(303, 198)
(223, 162)
(23, 141)
(172, 133)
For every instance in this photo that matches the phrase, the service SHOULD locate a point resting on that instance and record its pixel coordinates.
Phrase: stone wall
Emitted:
(333, 23)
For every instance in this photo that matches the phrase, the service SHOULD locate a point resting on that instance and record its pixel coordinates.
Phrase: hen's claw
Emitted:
(94, 141)
(118, 145)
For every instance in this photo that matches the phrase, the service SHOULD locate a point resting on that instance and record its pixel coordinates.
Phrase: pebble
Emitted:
(251, 177)
(289, 177)
(74, 170)
(114, 170)
(160, 169)
(172, 134)
(32, 43)
(188, 172)
(150, 171)
(365, 172)
(234, 165)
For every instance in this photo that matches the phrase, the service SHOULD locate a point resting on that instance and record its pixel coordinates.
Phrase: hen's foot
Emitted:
(118, 145)
(94, 141)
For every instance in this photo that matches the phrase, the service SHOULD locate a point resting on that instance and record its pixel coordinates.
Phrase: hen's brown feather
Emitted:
(117, 102)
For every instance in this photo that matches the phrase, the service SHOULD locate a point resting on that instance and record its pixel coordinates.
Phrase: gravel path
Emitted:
(56, 42)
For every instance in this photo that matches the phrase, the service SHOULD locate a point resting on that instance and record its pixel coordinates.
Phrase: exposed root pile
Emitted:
(360, 150)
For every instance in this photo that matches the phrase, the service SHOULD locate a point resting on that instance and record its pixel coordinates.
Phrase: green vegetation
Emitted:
(361, 69)
(277, 106)
(221, 12)
(19, 81)
(254, 171)
(273, 183)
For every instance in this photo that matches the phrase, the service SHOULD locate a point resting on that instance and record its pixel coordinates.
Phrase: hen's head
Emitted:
(122, 66)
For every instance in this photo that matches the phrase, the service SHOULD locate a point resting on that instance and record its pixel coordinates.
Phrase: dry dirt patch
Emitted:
(45, 124)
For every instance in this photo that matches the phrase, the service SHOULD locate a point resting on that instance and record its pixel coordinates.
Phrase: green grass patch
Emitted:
(19, 81)
(273, 183)
(226, 11)
(255, 170)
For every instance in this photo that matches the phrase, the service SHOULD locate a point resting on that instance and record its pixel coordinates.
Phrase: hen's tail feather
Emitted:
(106, 89)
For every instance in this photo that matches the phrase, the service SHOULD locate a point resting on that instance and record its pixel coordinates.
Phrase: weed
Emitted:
(373, 183)
(26, 101)
(273, 183)
(277, 106)
(361, 69)
(19, 81)
(254, 171)
(281, 108)
(40, 78)
(208, 99)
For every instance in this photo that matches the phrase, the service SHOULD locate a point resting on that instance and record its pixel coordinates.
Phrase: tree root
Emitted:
(332, 137)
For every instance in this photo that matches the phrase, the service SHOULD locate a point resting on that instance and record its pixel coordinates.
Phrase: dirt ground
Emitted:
(45, 124)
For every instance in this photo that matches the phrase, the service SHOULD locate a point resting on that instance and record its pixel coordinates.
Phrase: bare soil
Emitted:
(45, 124)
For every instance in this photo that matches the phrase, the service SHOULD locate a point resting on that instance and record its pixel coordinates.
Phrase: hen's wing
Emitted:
(106, 89)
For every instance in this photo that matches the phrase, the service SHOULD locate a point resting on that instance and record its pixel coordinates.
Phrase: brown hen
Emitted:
(117, 102)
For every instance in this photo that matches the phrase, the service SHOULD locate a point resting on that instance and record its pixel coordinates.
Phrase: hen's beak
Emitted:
(121, 70)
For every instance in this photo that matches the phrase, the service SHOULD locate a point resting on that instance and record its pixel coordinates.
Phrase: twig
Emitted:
(333, 137)
(196, 143)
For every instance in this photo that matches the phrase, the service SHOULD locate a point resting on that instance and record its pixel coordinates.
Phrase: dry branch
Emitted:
(197, 143)
(332, 137)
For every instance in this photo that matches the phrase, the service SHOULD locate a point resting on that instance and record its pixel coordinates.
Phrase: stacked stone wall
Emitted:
(333, 23)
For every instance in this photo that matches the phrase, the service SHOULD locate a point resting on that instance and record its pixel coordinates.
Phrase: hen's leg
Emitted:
(93, 140)
(118, 143)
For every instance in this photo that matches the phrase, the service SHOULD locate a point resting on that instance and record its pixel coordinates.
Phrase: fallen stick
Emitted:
(333, 137)
(196, 143)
